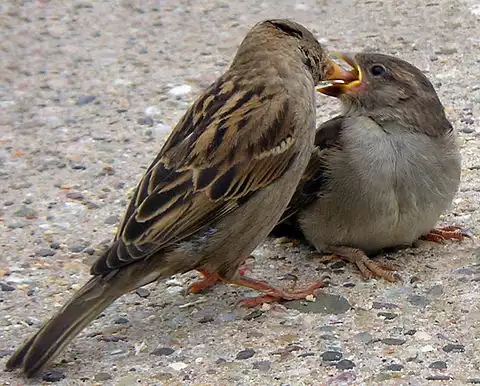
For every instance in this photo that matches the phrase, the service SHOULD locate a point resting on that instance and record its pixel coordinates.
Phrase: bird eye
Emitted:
(378, 70)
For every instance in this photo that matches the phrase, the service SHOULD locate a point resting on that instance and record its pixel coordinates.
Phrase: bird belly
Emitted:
(377, 222)
(379, 199)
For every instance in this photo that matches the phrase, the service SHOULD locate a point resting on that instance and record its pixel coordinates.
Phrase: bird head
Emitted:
(385, 88)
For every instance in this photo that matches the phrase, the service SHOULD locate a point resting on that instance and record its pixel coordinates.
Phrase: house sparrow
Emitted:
(216, 189)
(383, 171)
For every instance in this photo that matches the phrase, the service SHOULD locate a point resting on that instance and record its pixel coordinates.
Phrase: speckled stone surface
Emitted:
(88, 93)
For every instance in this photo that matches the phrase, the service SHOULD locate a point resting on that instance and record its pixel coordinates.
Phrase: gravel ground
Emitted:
(88, 93)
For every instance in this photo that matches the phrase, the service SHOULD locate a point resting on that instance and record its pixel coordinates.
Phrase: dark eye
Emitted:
(378, 70)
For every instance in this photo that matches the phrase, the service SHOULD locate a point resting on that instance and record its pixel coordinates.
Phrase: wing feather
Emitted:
(228, 146)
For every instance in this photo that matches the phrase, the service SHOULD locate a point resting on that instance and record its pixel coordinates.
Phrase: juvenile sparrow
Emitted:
(382, 172)
(216, 189)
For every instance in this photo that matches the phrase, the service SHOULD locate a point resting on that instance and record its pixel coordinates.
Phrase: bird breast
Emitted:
(384, 188)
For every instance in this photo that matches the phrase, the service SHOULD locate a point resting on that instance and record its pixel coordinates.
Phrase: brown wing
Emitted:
(215, 157)
(315, 175)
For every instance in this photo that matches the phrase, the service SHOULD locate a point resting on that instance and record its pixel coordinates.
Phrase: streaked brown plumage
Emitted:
(381, 173)
(217, 187)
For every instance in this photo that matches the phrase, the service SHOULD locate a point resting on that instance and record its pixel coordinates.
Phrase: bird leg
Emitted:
(210, 279)
(438, 235)
(272, 293)
(368, 267)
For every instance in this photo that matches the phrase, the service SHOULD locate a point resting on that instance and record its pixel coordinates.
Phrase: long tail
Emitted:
(97, 294)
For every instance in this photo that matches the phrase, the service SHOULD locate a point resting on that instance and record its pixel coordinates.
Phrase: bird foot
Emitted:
(272, 293)
(368, 268)
(210, 279)
(439, 235)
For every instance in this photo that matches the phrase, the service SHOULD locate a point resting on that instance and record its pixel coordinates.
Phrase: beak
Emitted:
(343, 75)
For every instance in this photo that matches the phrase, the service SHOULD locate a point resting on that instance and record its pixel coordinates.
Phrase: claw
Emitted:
(368, 268)
(439, 235)
(274, 294)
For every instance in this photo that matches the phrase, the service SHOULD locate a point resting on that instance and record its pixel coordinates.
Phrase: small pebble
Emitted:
(410, 332)
(263, 366)
(181, 90)
(349, 284)
(142, 292)
(427, 348)
(439, 377)
(26, 212)
(414, 279)
(8, 203)
(55, 245)
(306, 354)
(446, 51)
(393, 341)
(253, 315)
(77, 248)
(467, 129)
(435, 291)
(153, 111)
(363, 337)
(112, 220)
(206, 319)
(101, 377)
(380, 305)
(145, 121)
(15, 226)
(325, 303)
(21, 185)
(121, 320)
(6, 287)
(161, 130)
(345, 364)
(451, 347)
(44, 252)
(177, 365)
(330, 356)
(91, 205)
(121, 353)
(422, 335)
(84, 99)
(75, 195)
(163, 351)
(394, 367)
(128, 380)
(474, 381)
(53, 376)
(5, 353)
(464, 271)
(387, 315)
(418, 300)
(467, 121)
(339, 264)
(438, 365)
(245, 354)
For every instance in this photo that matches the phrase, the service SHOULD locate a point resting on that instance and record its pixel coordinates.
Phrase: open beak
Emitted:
(344, 74)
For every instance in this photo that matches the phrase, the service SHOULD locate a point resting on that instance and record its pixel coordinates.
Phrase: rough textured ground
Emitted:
(89, 90)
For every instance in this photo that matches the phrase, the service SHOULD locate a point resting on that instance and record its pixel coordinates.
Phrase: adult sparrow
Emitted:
(216, 189)
(384, 170)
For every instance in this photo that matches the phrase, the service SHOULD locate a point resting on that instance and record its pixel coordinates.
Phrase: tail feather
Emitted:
(49, 341)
